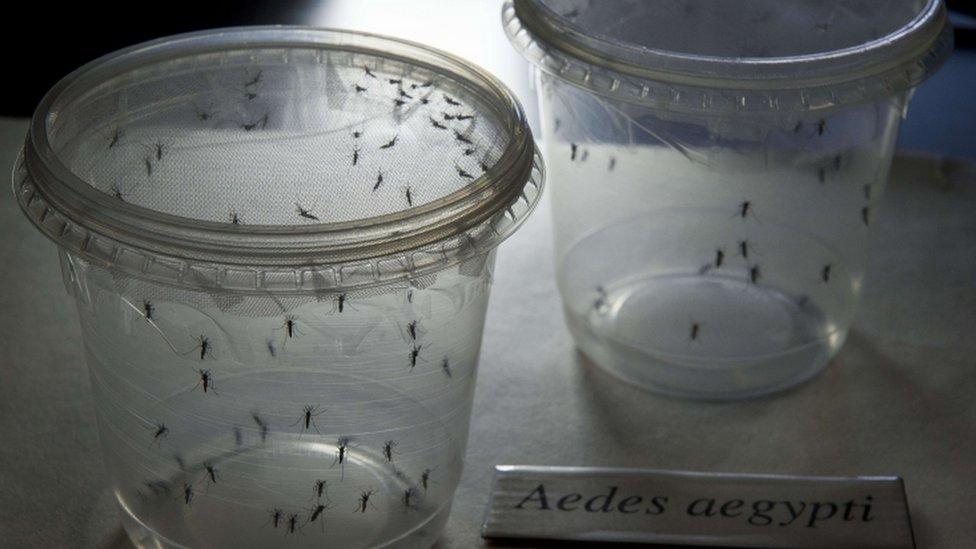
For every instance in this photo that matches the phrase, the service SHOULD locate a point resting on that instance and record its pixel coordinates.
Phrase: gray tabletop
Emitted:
(896, 400)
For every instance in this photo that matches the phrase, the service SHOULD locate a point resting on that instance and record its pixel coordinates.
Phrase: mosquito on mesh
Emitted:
(368, 72)
(425, 478)
(389, 144)
(355, 155)
(292, 523)
(395, 81)
(460, 137)
(148, 309)
(254, 81)
(409, 196)
(446, 368)
(379, 181)
(360, 89)
(451, 101)
(235, 219)
(117, 192)
(464, 116)
(307, 419)
(436, 124)
(117, 134)
(307, 214)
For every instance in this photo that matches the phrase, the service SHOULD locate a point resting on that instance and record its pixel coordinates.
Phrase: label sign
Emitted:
(728, 510)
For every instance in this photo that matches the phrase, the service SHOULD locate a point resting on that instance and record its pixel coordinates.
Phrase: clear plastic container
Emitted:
(280, 242)
(717, 168)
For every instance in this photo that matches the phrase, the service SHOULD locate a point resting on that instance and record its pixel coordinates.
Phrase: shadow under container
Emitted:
(281, 265)
(717, 168)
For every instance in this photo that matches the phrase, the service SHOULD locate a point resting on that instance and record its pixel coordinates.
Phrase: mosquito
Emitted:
(360, 89)
(399, 102)
(307, 419)
(355, 156)
(147, 161)
(866, 215)
(340, 301)
(425, 478)
(254, 81)
(117, 134)
(821, 126)
(302, 212)
(825, 273)
(342, 449)
(364, 501)
(159, 147)
(572, 151)
(744, 209)
(388, 450)
(405, 94)
(211, 472)
(461, 138)
(446, 368)
(412, 330)
(719, 257)
(414, 353)
(694, 330)
(754, 274)
(612, 164)
(117, 192)
(451, 101)
(464, 116)
(436, 124)
(234, 218)
(292, 523)
(262, 426)
(160, 432)
(744, 248)
(368, 72)
(408, 495)
(187, 493)
(203, 343)
(320, 488)
(395, 81)
(206, 378)
(409, 197)
(148, 309)
(316, 512)
(276, 517)
(290, 325)
(390, 143)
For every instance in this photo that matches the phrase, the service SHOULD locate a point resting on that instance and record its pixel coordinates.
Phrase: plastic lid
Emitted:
(758, 55)
(245, 158)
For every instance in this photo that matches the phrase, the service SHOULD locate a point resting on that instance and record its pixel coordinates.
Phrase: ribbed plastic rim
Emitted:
(689, 83)
(192, 253)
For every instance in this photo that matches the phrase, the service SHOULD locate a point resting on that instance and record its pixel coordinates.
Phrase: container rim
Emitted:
(894, 62)
(86, 221)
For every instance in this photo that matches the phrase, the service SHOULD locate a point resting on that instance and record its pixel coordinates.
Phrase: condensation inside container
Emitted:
(278, 137)
(219, 420)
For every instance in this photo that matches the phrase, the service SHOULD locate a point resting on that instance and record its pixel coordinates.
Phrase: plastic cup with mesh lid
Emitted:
(717, 168)
(280, 241)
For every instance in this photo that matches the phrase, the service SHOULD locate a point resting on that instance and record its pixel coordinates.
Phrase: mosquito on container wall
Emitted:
(695, 327)
(414, 355)
(316, 512)
(235, 219)
(425, 478)
(754, 274)
(148, 309)
(719, 257)
(368, 72)
(825, 273)
(307, 419)
(276, 516)
(260, 122)
(572, 151)
(364, 501)
(342, 451)
(360, 89)
(446, 368)
(262, 426)
(290, 326)
(160, 431)
(409, 196)
(388, 450)
(409, 498)
(238, 436)
(412, 329)
(461, 138)
(187, 493)
(211, 474)
(321, 488)
(292, 523)
(206, 379)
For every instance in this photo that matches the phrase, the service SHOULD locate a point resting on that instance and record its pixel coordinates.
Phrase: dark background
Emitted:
(44, 43)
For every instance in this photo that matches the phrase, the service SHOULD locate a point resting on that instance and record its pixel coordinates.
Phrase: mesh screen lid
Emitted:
(279, 147)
